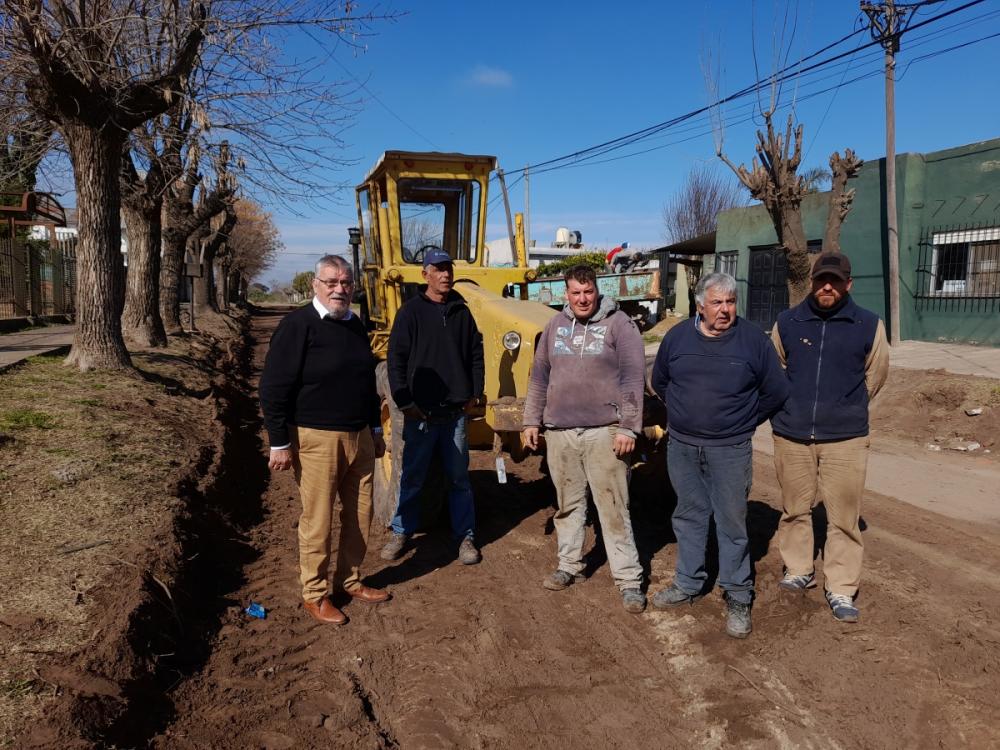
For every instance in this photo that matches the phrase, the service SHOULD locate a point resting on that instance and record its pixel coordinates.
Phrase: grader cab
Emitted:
(409, 203)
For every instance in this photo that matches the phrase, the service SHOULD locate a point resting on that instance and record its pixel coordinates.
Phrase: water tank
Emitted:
(562, 237)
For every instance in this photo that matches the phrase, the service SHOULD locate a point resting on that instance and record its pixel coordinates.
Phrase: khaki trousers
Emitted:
(833, 472)
(578, 457)
(328, 464)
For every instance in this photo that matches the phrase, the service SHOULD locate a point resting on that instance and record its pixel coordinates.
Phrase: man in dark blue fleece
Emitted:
(719, 377)
(436, 372)
(837, 359)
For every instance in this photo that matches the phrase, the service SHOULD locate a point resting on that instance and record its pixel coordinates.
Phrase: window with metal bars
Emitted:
(962, 263)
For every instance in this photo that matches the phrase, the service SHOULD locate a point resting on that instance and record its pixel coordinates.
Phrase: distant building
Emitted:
(948, 205)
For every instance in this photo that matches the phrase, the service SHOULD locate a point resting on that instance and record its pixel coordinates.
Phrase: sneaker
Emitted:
(672, 596)
(842, 606)
(559, 580)
(634, 601)
(394, 547)
(737, 619)
(467, 552)
(797, 583)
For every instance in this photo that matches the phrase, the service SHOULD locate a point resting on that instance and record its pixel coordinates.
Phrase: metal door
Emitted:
(768, 293)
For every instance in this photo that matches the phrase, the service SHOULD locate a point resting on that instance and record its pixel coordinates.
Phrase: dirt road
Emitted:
(485, 657)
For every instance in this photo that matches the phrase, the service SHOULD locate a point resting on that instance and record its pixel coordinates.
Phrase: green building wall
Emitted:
(934, 192)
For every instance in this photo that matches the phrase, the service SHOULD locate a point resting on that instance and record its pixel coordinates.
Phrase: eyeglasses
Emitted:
(332, 283)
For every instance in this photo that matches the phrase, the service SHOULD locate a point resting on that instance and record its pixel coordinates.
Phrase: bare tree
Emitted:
(773, 180)
(693, 209)
(80, 67)
(142, 205)
(252, 246)
(98, 70)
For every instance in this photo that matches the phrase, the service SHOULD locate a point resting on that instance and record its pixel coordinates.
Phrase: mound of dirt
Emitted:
(97, 472)
(932, 407)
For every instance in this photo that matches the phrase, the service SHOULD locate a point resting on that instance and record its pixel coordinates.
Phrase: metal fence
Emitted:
(959, 268)
(37, 278)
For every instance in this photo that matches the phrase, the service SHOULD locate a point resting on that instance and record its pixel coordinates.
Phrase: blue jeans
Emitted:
(420, 440)
(712, 480)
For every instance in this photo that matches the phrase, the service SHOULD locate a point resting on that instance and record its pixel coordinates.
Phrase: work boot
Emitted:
(394, 547)
(737, 618)
(324, 611)
(467, 552)
(672, 596)
(842, 606)
(559, 580)
(797, 583)
(634, 601)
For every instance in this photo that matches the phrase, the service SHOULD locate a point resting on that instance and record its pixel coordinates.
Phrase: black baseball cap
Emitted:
(833, 263)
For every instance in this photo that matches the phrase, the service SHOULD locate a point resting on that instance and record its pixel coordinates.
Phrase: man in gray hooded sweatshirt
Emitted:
(585, 391)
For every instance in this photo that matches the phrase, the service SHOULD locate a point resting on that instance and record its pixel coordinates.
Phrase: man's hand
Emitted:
(530, 437)
(414, 412)
(280, 460)
(624, 444)
(379, 442)
(470, 404)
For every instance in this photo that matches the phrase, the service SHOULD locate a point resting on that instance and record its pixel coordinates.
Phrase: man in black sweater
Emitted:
(321, 411)
(436, 372)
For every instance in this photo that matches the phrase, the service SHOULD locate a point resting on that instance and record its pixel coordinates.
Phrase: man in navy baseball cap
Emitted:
(436, 257)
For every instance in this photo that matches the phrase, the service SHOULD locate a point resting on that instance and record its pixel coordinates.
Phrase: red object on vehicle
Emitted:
(613, 253)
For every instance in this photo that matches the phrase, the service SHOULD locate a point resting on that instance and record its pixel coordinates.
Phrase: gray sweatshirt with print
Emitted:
(588, 374)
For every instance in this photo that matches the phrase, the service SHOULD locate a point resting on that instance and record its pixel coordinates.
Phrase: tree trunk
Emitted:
(204, 286)
(96, 156)
(793, 239)
(222, 291)
(141, 321)
(171, 277)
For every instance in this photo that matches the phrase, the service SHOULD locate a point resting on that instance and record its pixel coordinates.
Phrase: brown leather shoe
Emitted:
(367, 594)
(324, 611)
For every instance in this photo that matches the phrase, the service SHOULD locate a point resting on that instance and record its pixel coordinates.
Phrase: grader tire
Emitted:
(385, 488)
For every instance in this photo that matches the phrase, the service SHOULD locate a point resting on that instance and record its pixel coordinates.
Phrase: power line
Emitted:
(776, 78)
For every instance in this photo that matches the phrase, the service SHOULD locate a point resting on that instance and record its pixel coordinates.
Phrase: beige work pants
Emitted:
(833, 472)
(329, 464)
(578, 457)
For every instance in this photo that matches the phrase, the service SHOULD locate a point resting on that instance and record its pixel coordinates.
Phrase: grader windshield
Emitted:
(438, 213)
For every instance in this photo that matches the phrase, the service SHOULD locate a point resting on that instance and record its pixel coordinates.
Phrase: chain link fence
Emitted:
(37, 278)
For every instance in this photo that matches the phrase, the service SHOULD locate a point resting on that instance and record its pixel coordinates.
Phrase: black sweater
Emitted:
(435, 354)
(319, 373)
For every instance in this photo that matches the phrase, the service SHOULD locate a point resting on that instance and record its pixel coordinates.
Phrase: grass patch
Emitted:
(652, 338)
(17, 689)
(88, 402)
(21, 419)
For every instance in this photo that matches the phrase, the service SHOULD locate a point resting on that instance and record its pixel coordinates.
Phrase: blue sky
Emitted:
(530, 81)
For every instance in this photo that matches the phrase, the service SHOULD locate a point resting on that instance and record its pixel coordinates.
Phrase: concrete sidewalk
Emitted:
(23, 344)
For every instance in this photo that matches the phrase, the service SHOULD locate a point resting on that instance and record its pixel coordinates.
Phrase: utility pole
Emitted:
(527, 211)
(887, 23)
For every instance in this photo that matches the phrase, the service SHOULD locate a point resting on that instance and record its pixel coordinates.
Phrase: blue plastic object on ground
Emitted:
(256, 610)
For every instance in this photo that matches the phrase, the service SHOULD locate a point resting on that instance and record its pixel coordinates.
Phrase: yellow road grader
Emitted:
(408, 203)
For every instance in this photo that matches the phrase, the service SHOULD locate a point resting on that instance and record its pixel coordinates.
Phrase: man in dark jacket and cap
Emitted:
(436, 372)
(836, 356)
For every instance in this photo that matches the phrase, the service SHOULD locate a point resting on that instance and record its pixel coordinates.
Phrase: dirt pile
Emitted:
(930, 407)
(97, 475)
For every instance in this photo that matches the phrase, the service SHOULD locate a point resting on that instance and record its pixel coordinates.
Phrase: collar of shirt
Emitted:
(323, 312)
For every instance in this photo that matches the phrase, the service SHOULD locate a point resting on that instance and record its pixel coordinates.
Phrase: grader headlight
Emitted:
(511, 341)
